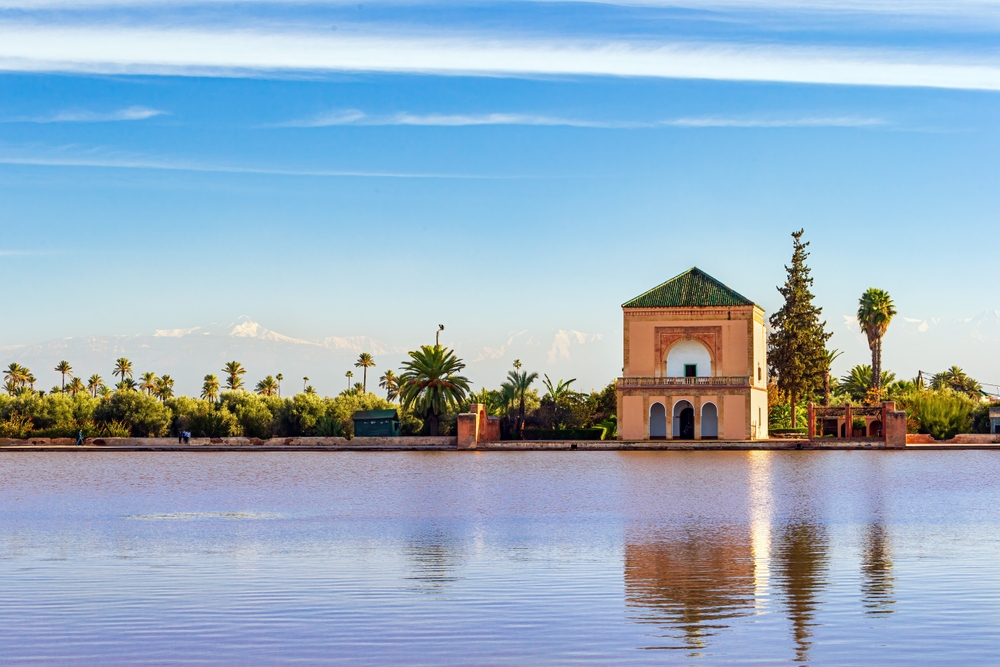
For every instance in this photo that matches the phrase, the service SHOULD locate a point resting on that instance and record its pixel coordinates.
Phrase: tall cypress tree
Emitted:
(796, 348)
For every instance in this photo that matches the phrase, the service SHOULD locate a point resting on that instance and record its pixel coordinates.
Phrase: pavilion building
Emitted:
(695, 363)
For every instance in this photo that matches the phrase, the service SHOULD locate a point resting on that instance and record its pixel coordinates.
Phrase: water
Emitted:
(501, 558)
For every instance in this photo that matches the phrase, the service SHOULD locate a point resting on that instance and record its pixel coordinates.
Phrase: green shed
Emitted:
(376, 424)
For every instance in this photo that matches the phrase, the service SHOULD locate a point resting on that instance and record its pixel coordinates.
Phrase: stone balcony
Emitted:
(638, 381)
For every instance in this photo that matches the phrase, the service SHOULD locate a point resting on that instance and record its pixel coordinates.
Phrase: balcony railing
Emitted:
(714, 381)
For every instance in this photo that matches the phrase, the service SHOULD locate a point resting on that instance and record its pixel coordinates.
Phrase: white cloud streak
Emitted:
(80, 116)
(138, 162)
(231, 52)
(355, 117)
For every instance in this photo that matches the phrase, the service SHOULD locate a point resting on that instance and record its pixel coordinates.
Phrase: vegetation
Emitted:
(430, 385)
(234, 375)
(796, 348)
(364, 362)
(875, 312)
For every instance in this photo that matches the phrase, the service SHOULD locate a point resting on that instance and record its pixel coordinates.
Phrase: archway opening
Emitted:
(683, 421)
(689, 358)
(875, 429)
(657, 422)
(709, 422)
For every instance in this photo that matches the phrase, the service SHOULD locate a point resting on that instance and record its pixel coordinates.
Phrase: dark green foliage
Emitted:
(210, 421)
(145, 416)
(430, 385)
(563, 434)
(796, 348)
(300, 414)
(255, 414)
(944, 414)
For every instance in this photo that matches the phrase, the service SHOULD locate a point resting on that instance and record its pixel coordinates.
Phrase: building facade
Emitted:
(695, 363)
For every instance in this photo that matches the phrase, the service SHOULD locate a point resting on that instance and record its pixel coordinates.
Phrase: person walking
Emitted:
(79, 439)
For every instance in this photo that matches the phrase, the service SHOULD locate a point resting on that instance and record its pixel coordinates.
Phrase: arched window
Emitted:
(689, 358)
(657, 421)
(709, 421)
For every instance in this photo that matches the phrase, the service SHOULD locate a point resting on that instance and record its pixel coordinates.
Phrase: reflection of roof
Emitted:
(691, 288)
(375, 414)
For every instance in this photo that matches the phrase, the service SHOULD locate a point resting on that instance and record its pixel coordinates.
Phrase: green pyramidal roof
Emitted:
(691, 288)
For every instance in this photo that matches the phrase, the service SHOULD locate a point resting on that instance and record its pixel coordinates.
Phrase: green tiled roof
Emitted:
(375, 414)
(691, 288)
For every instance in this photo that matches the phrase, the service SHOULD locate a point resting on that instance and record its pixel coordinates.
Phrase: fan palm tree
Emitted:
(123, 368)
(875, 312)
(956, 379)
(233, 370)
(75, 387)
(279, 377)
(267, 387)
(349, 375)
(147, 382)
(210, 388)
(521, 381)
(390, 383)
(164, 387)
(557, 393)
(94, 384)
(430, 384)
(364, 362)
(858, 381)
(64, 369)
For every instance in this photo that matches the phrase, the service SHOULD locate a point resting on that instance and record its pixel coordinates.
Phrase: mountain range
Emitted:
(189, 354)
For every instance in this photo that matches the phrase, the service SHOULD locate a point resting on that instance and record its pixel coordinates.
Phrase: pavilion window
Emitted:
(690, 370)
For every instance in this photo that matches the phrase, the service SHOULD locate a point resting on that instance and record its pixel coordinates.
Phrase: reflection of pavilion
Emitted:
(692, 580)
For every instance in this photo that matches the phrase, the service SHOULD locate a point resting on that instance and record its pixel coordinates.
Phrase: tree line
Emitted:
(799, 363)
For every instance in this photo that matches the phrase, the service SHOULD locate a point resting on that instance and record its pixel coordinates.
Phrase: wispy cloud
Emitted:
(355, 117)
(232, 52)
(141, 162)
(82, 116)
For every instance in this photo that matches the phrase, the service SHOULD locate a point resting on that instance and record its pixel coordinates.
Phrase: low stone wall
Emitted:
(412, 441)
(960, 439)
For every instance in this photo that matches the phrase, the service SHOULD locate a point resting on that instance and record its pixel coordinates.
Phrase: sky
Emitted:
(345, 169)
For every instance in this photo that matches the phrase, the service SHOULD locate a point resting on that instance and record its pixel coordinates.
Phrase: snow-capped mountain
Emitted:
(188, 354)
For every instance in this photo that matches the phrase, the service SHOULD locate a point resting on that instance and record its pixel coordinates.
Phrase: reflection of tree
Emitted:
(434, 558)
(876, 571)
(692, 581)
(800, 558)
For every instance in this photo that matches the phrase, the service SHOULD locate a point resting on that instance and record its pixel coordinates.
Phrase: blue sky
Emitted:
(343, 169)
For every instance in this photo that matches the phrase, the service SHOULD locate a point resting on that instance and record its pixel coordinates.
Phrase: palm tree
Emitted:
(858, 381)
(15, 377)
(164, 387)
(94, 384)
(829, 357)
(279, 377)
(349, 375)
(955, 379)
(390, 383)
(75, 387)
(358, 388)
(365, 362)
(310, 390)
(305, 383)
(234, 369)
(104, 392)
(557, 393)
(30, 379)
(128, 384)
(123, 368)
(267, 387)
(430, 384)
(875, 311)
(65, 369)
(210, 388)
(147, 382)
(521, 381)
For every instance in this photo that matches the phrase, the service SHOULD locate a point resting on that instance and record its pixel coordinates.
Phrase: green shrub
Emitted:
(943, 414)
(213, 422)
(16, 426)
(301, 414)
(254, 413)
(145, 416)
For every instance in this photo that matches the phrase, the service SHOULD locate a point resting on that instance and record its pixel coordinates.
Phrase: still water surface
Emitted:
(678, 558)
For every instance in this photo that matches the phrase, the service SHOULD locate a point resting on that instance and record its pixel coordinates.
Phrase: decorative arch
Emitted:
(657, 421)
(683, 420)
(687, 351)
(667, 337)
(709, 421)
